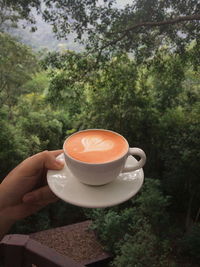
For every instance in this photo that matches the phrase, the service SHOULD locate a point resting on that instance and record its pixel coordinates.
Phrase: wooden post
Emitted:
(13, 249)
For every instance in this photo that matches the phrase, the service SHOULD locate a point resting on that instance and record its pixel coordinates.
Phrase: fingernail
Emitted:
(29, 198)
(59, 162)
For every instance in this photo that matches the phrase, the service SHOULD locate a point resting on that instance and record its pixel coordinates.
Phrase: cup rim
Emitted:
(93, 164)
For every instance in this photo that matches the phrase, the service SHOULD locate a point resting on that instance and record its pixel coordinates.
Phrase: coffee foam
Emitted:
(96, 143)
(95, 146)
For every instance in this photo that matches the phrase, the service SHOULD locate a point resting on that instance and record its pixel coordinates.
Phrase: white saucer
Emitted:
(65, 186)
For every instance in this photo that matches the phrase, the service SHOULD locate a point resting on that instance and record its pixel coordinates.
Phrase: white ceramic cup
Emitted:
(103, 173)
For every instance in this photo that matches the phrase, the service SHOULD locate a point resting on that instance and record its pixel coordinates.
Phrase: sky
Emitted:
(122, 3)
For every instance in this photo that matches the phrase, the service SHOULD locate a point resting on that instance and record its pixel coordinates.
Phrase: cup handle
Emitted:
(139, 152)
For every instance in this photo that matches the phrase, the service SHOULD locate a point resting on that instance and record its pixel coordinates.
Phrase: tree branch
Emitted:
(166, 22)
(152, 24)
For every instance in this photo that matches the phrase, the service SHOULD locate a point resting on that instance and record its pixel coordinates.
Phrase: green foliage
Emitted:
(67, 72)
(168, 76)
(191, 242)
(17, 64)
(154, 105)
(38, 84)
(143, 249)
(111, 225)
(33, 129)
(107, 97)
(29, 125)
(61, 213)
(13, 11)
(9, 147)
(138, 233)
(136, 27)
(55, 215)
(139, 27)
(41, 130)
(181, 157)
(140, 249)
(34, 223)
(152, 205)
(111, 95)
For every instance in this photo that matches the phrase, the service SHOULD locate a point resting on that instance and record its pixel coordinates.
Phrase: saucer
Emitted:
(68, 188)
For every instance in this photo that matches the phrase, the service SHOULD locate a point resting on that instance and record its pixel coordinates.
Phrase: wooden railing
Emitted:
(22, 251)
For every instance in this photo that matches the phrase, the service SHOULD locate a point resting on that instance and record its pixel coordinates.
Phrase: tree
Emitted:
(11, 12)
(141, 27)
(17, 65)
(65, 72)
(136, 234)
(9, 145)
(155, 106)
(181, 159)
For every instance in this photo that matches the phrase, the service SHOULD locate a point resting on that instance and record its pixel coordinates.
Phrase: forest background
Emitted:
(134, 71)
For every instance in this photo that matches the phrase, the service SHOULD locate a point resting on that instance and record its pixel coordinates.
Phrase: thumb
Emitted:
(41, 195)
(45, 159)
(49, 160)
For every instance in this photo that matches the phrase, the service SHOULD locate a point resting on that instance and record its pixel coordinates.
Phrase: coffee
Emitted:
(96, 146)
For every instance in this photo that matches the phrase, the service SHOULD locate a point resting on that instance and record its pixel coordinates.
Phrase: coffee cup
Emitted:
(98, 156)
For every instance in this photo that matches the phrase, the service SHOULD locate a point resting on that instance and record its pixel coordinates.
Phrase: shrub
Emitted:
(191, 242)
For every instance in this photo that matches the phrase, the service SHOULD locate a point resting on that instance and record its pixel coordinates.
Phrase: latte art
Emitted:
(96, 144)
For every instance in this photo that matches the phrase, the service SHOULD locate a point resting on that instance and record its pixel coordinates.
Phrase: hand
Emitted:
(24, 190)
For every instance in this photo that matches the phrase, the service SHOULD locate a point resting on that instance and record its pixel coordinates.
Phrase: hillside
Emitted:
(44, 38)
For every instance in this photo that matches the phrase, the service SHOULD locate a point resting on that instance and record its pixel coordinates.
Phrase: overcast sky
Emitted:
(122, 3)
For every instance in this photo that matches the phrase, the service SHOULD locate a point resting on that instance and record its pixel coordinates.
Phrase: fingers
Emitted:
(27, 176)
(56, 152)
(31, 203)
(43, 160)
(50, 161)
(42, 196)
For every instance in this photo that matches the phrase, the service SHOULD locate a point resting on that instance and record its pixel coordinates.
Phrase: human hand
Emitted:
(24, 190)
